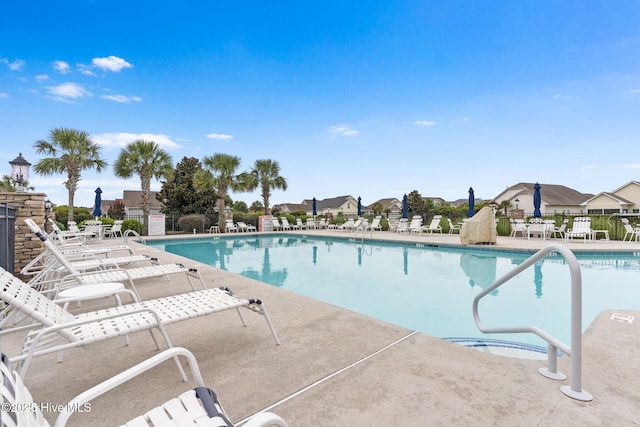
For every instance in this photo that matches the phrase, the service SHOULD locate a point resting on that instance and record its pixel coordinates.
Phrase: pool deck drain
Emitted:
(419, 380)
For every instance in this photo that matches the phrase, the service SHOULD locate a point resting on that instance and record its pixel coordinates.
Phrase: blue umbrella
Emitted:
(537, 200)
(472, 201)
(359, 206)
(315, 211)
(97, 211)
(405, 207)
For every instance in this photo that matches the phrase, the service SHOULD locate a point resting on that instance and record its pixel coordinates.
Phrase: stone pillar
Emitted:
(27, 245)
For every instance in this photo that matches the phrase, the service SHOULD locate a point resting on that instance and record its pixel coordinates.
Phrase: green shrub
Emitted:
(132, 224)
(188, 223)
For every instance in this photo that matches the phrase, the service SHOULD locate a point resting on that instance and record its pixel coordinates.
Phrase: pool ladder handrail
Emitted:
(135, 233)
(362, 227)
(574, 390)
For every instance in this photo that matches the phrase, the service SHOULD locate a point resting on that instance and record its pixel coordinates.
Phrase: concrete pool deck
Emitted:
(335, 367)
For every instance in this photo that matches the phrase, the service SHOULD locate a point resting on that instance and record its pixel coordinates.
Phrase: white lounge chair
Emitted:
(415, 226)
(285, 224)
(559, 231)
(276, 224)
(375, 224)
(76, 277)
(199, 406)
(55, 329)
(453, 227)
(630, 231)
(434, 225)
(115, 230)
(518, 226)
(311, 224)
(301, 225)
(347, 225)
(230, 227)
(581, 228)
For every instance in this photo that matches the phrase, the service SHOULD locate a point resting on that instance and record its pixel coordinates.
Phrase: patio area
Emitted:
(338, 368)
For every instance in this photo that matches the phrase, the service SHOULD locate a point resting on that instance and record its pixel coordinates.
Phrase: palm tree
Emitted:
(505, 204)
(71, 151)
(266, 174)
(219, 174)
(148, 160)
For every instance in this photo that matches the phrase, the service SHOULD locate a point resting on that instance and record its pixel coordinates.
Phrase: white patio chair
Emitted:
(276, 224)
(285, 224)
(301, 225)
(230, 227)
(198, 406)
(434, 225)
(581, 228)
(375, 224)
(54, 329)
(242, 227)
(311, 224)
(518, 226)
(115, 230)
(559, 231)
(630, 231)
(453, 227)
(415, 226)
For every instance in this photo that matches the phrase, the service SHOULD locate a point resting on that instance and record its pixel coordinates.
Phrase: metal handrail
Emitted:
(135, 233)
(575, 390)
(363, 226)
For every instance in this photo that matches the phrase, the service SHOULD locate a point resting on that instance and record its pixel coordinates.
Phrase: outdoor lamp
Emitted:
(517, 201)
(20, 171)
(47, 208)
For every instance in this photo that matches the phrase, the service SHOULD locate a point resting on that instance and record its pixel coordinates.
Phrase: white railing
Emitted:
(127, 233)
(361, 229)
(574, 390)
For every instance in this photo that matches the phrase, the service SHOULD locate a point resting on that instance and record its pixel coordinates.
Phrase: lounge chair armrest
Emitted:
(121, 378)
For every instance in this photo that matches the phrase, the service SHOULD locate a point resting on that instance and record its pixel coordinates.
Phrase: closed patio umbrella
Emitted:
(405, 207)
(314, 208)
(537, 200)
(472, 202)
(97, 210)
(359, 206)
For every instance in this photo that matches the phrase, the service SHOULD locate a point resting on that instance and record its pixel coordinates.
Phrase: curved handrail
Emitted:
(135, 233)
(575, 351)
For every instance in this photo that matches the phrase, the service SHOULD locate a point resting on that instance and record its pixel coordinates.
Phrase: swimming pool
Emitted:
(425, 288)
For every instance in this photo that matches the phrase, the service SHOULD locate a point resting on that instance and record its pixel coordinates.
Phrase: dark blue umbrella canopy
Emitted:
(97, 211)
(315, 211)
(405, 207)
(359, 206)
(537, 200)
(472, 201)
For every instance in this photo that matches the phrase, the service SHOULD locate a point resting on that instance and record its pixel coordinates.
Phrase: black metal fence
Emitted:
(7, 236)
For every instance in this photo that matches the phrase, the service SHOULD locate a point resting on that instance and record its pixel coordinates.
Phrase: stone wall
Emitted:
(28, 205)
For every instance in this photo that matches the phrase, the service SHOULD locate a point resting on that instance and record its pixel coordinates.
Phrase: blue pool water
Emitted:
(424, 288)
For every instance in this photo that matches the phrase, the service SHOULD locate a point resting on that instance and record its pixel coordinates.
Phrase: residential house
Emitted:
(556, 199)
(390, 205)
(285, 208)
(625, 199)
(133, 203)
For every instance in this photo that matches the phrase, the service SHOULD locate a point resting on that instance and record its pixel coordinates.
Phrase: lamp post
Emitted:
(47, 208)
(20, 171)
(517, 201)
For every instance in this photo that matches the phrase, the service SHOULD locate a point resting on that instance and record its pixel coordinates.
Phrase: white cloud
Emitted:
(342, 130)
(634, 166)
(121, 139)
(219, 136)
(122, 98)
(424, 123)
(4, 95)
(16, 65)
(560, 96)
(111, 63)
(67, 92)
(85, 69)
(589, 167)
(634, 91)
(61, 67)
(42, 77)
(465, 119)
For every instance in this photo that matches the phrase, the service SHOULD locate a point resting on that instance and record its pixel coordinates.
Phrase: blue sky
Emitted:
(371, 99)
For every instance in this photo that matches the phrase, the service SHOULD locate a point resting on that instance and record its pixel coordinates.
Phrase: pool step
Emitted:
(502, 347)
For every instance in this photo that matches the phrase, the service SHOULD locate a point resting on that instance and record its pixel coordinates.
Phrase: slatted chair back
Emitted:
(23, 297)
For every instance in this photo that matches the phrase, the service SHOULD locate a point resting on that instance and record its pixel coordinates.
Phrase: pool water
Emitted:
(425, 288)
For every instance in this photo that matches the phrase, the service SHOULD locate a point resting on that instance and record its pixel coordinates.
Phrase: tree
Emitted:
(178, 194)
(148, 160)
(116, 210)
(377, 208)
(415, 203)
(219, 174)
(256, 206)
(72, 151)
(9, 185)
(240, 206)
(266, 175)
(504, 205)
